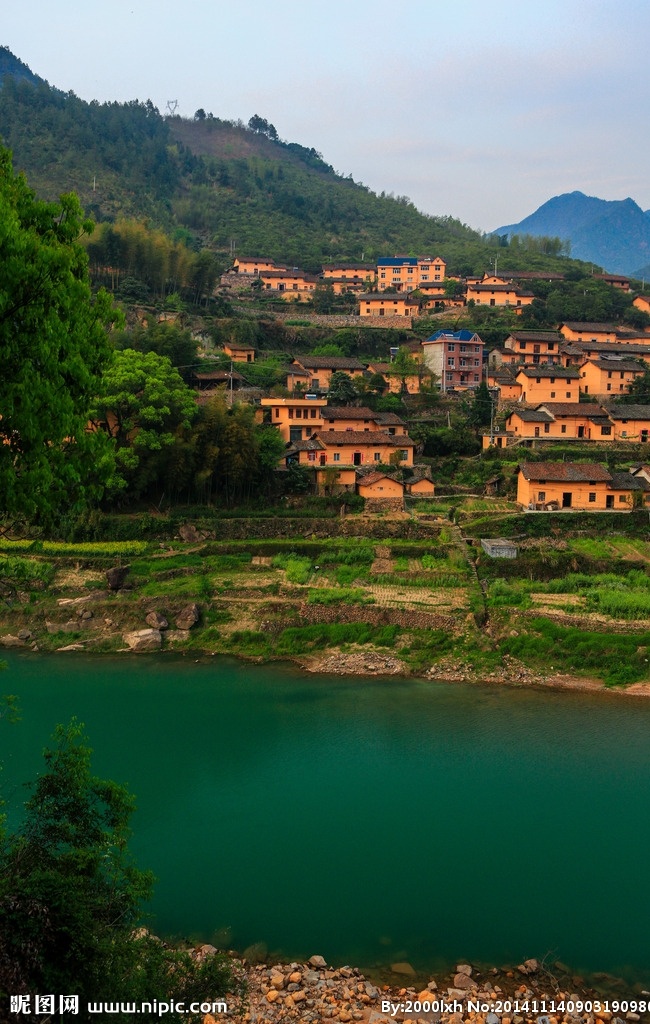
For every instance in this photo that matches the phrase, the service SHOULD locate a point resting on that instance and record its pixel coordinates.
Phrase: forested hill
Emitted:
(213, 183)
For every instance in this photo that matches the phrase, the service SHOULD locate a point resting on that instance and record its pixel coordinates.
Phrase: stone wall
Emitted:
(384, 504)
(378, 616)
(305, 529)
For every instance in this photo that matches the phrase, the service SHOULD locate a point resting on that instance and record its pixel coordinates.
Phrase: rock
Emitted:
(115, 577)
(464, 969)
(463, 981)
(528, 967)
(143, 640)
(85, 614)
(272, 995)
(317, 961)
(402, 968)
(256, 953)
(174, 636)
(8, 640)
(188, 616)
(156, 620)
(277, 981)
(71, 647)
(189, 533)
(71, 626)
(300, 995)
(295, 977)
(24, 634)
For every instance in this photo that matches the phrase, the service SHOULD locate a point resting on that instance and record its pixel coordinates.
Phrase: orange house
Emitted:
(583, 486)
(503, 381)
(379, 486)
(346, 277)
(397, 383)
(253, 265)
(609, 376)
(352, 448)
(405, 273)
(534, 346)
(576, 331)
(317, 371)
(387, 304)
(577, 352)
(239, 353)
(615, 280)
(630, 422)
(498, 295)
(548, 383)
(360, 418)
(642, 302)
(296, 418)
(291, 285)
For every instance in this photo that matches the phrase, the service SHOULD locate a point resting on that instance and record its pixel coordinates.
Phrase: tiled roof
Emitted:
(550, 370)
(628, 412)
(373, 478)
(313, 444)
(532, 416)
(389, 418)
(388, 297)
(629, 365)
(622, 481)
(348, 412)
(571, 472)
(498, 288)
(574, 325)
(536, 335)
(453, 336)
(367, 438)
(587, 409)
(329, 363)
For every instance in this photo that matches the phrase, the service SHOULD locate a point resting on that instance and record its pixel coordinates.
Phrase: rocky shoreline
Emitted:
(533, 992)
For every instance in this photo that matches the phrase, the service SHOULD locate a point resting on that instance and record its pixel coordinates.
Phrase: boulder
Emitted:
(115, 577)
(529, 967)
(463, 981)
(143, 640)
(188, 616)
(317, 961)
(11, 641)
(24, 634)
(156, 620)
(402, 968)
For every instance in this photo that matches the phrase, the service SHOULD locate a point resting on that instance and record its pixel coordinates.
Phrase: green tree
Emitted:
(638, 392)
(53, 348)
(142, 404)
(342, 388)
(71, 896)
(165, 339)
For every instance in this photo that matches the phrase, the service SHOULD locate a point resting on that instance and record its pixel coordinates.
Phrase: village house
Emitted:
(382, 492)
(630, 422)
(349, 277)
(607, 377)
(315, 372)
(239, 353)
(456, 358)
(504, 383)
(296, 418)
(548, 383)
(582, 486)
(292, 285)
(253, 265)
(341, 448)
(498, 294)
(615, 281)
(534, 346)
(576, 331)
(405, 273)
(642, 302)
(387, 304)
(576, 353)
(350, 417)
(420, 484)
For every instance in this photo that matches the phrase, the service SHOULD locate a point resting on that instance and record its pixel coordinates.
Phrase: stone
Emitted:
(464, 969)
(71, 647)
(317, 961)
(299, 996)
(156, 620)
(175, 636)
(272, 995)
(141, 640)
(71, 626)
(8, 640)
(85, 614)
(277, 981)
(24, 634)
(188, 616)
(403, 968)
(116, 576)
(463, 981)
(529, 967)
(189, 533)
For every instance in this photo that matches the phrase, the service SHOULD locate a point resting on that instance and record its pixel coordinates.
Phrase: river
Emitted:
(368, 820)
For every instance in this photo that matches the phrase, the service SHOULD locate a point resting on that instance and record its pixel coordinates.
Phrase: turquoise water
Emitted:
(366, 820)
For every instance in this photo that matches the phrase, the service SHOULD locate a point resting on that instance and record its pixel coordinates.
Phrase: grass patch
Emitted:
(297, 639)
(339, 595)
(29, 573)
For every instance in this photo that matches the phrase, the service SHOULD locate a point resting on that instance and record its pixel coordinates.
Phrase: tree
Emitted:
(53, 348)
(638, 392)
(71, 896)
(342, 388)
(142, 404)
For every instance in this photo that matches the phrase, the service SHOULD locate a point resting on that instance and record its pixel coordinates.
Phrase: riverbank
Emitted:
(531, 991)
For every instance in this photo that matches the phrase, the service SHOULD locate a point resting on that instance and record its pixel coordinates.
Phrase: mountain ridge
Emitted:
(614, 234)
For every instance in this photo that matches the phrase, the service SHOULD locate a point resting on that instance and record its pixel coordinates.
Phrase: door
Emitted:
(581, 431)
(356, 459)
(609, 501)
(566, 499)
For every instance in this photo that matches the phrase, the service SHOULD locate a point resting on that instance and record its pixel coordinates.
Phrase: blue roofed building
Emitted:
(456, 358)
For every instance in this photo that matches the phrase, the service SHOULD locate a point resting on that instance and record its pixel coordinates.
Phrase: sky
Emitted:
(477, 110)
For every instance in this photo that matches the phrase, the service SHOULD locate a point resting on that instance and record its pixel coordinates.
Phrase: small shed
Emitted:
(498, 547)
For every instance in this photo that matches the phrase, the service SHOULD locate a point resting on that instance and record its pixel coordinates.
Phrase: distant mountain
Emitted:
(613, 234)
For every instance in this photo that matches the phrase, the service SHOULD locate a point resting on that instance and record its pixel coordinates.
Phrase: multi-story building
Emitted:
(548, 384)
(387, 304)
(610, 376)
(406, 273)
(534, 346)
(456, 358)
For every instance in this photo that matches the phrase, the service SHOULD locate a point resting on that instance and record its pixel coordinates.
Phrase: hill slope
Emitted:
(612, 234)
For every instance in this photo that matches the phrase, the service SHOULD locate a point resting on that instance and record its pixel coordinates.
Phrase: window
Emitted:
(312, 413)
(337, 456)
(538, 380)
(568, 394)
(621, 497)
(563, 428)
(550, 346)
(623, 433)
(290, 414)
(298, 414)
(592, 495)
(522, 344)
(609, 387)
(552, 394)
(476, 378)
(609, 374)
(606, 431)
(451, 361)
(541, 495)
(311, 456)
(403, 456)
(536, 348)
(547, 428)
(377, 456)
